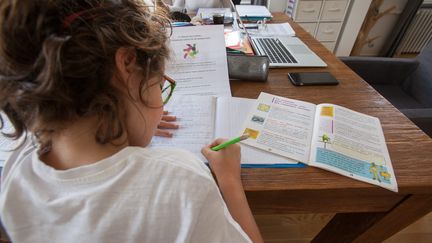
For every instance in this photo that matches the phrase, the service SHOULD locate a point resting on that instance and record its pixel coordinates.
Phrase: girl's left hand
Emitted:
(167, 122)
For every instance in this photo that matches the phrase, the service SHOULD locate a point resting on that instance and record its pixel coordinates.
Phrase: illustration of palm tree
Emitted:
(325, 139)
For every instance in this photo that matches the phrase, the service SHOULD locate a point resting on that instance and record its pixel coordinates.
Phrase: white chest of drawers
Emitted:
(323, 19)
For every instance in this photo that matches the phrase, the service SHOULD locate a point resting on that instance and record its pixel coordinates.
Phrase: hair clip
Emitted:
(71, 18)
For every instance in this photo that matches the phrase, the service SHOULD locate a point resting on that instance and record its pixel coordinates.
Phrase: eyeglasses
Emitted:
(167, 88)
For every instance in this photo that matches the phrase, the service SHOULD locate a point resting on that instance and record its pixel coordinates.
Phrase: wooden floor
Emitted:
(419, 232)
(301, 228)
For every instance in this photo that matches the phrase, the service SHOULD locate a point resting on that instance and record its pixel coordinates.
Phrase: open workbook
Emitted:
(327, 136)
(201, 120)
(204, 118)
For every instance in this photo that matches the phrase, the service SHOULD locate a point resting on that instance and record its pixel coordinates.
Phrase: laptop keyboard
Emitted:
(275, 50)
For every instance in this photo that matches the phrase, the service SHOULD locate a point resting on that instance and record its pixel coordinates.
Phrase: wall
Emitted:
(383, 27)
(353, 23)
(276, 5)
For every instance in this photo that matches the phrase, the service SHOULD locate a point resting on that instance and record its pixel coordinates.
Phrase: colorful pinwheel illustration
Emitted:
(190, 51)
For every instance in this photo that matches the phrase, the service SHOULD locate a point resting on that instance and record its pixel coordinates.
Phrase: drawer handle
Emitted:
(309, 10)
(328, 31)
(334, 9)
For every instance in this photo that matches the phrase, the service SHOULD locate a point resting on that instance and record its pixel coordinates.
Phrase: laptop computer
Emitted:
(283, 51)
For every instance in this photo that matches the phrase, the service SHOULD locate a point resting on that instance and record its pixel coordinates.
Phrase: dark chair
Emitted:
(406, 83)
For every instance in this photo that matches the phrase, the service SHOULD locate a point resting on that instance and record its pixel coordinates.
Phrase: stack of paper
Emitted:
(238, 42)
(253, 12)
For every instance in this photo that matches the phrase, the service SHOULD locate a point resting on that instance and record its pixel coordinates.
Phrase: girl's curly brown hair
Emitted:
(54, 71)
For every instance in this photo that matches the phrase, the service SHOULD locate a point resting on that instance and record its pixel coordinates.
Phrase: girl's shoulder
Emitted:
(21, 150)
(174, 158)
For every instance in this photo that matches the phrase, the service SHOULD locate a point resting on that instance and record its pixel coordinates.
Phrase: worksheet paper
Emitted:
(204, 118)
(198, 61)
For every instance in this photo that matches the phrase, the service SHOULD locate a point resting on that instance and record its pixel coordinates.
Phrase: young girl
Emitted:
(84, 78)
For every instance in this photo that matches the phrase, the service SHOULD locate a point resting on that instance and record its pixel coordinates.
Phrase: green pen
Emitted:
(232, 141)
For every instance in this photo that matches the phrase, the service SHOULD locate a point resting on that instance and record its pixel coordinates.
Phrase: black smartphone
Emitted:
(314, 78)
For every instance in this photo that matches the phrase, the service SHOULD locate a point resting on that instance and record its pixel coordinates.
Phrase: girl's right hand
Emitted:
(224, 163)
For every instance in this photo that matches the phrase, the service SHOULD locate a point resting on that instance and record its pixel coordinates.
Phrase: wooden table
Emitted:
(364, 212)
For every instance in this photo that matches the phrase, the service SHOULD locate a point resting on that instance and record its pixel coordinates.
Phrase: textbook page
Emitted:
(196, 118)
(231, 113)
(198, 61)
(281, 125)
(352, 144)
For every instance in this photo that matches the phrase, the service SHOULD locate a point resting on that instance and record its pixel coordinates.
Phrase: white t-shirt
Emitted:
(136, 195)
